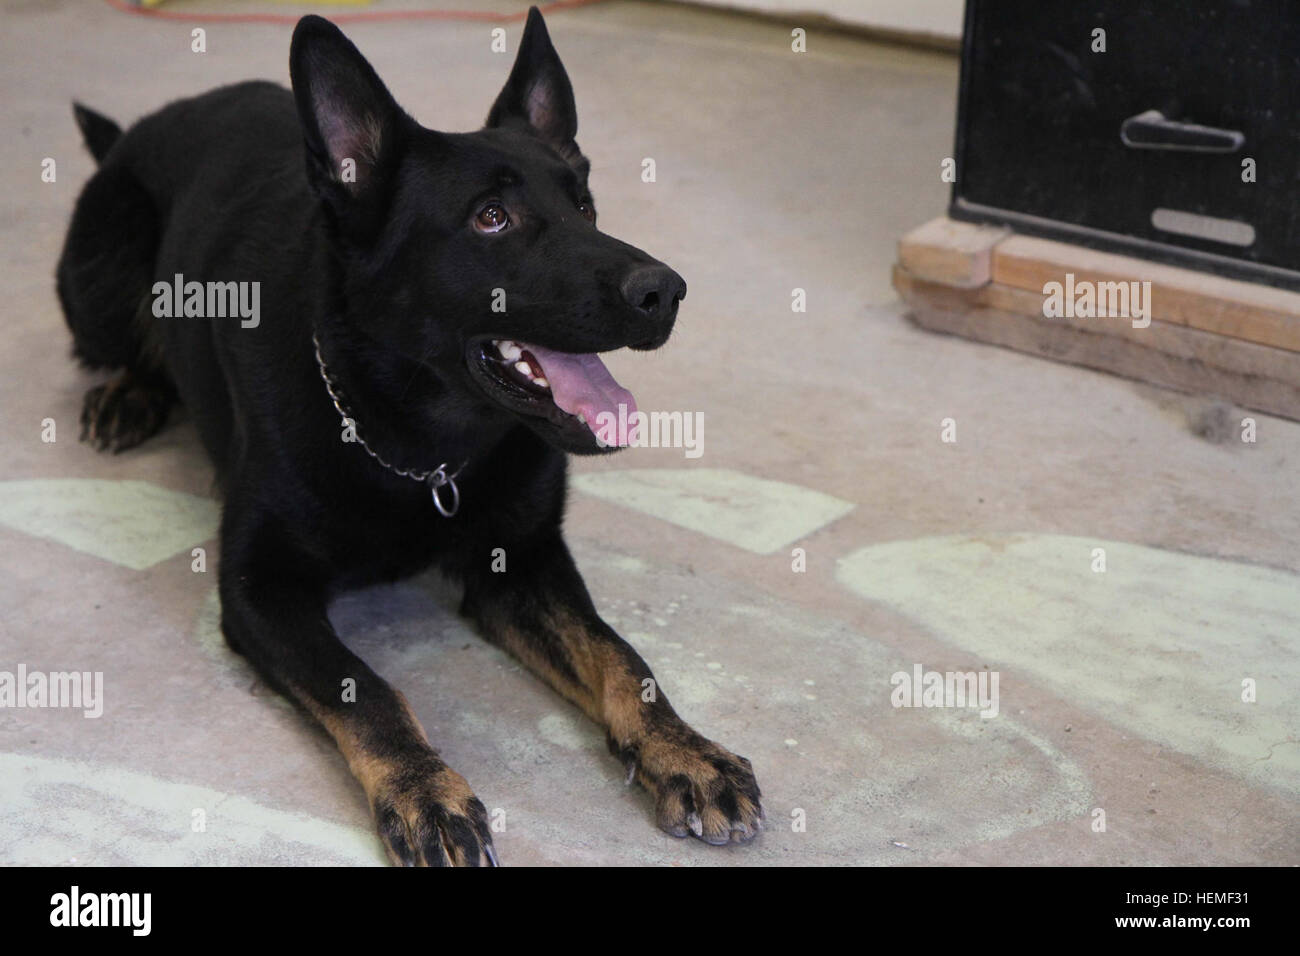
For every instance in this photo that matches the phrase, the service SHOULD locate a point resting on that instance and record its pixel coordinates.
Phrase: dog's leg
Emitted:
(273, 611)
(539, 610)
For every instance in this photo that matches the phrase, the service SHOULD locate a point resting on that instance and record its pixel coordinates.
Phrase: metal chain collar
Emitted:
(437, 479)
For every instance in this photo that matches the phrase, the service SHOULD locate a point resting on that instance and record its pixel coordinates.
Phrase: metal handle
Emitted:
(1152, 130)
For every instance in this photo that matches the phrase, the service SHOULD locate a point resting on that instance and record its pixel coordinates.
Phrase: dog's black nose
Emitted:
(654, 291)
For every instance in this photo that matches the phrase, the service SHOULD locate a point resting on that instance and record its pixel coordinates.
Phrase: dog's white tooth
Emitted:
(510, 350)
(523, 367)
(542, 382)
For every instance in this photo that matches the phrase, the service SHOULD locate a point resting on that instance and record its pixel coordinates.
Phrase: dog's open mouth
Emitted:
(568, 388)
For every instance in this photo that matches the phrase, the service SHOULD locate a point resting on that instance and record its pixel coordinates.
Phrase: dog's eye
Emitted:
(588, 211)
(492, 218)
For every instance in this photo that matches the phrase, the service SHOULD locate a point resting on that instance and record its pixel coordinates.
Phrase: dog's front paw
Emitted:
(428, 816)
(699, 787)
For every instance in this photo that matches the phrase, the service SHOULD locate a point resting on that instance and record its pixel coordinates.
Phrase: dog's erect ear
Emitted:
(350, 121)
(538, 91)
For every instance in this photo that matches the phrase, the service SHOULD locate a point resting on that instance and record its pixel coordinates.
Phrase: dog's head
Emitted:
(477, 255)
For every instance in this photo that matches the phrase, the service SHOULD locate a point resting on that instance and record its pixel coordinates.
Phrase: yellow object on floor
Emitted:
(330, 3)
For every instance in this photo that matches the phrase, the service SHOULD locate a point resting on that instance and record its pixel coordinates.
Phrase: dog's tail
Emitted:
(99, 132)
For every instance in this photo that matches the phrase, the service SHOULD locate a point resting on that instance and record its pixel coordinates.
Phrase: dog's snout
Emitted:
(654, 291)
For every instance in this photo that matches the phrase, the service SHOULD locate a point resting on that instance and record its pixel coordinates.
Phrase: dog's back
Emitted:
(208, 186)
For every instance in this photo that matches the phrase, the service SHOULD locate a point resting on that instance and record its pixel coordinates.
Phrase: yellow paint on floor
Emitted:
(132, 523)
(756, 514)
(54, 812)
(1159, 643)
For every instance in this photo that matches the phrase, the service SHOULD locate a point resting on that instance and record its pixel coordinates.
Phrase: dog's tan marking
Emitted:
(689, 774)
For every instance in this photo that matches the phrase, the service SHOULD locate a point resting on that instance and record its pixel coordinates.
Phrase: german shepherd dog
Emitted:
(430, 311)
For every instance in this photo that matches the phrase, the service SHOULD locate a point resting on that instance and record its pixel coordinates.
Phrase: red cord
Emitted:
(343, 17)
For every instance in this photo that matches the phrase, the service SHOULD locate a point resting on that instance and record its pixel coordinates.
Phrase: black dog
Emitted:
(421, 356)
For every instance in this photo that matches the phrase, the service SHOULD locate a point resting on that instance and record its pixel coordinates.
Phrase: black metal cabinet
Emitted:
(1121, 149)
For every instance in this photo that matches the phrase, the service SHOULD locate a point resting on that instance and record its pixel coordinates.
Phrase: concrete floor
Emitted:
(1120, 692)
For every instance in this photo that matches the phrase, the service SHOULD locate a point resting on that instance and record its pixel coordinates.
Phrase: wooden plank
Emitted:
(1220, 351)
(955, 253)
(1189, 360)
(1198, 300)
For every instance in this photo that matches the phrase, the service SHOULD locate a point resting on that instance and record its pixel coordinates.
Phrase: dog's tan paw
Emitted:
(700, 788)
(428, 816)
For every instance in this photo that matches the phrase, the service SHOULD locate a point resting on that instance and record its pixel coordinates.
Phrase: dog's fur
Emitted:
(390, 271)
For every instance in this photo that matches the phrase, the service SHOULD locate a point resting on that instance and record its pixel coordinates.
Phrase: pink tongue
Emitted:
(581, 385)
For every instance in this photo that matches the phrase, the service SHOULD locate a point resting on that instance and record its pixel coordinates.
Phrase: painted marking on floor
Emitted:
(755, 514)
(1159, 643)
(132, 523)
(54, 811)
